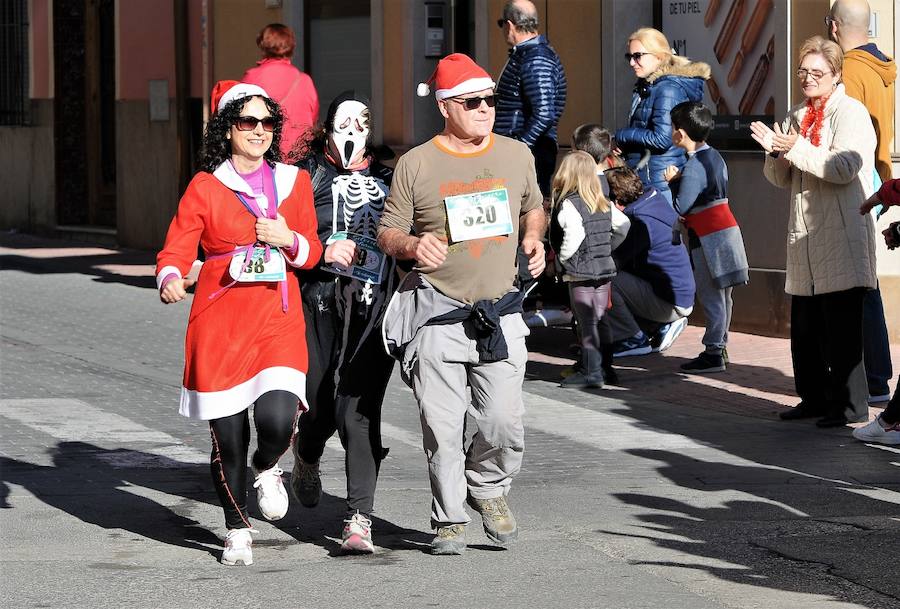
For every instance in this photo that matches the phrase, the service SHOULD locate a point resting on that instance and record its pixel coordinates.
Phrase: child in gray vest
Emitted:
(582, 235)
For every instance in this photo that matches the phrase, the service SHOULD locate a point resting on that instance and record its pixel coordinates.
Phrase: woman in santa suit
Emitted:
(253, 217)
(344, 298)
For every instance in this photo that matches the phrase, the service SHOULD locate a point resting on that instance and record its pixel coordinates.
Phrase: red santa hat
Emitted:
(226, 91)
(456, 74)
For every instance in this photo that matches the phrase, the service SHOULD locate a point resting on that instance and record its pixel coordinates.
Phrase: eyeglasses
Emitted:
(248, 123)
(802, 73)
(829, 20)
(473, 103)
(636, 57)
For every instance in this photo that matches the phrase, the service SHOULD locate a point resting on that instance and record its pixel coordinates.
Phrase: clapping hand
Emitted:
(773, 140)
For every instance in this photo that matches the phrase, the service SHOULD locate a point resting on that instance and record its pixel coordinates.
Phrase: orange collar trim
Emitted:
(443, 148)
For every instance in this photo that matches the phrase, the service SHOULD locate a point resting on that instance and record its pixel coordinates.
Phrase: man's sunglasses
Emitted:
(473, 103)
(248, 123)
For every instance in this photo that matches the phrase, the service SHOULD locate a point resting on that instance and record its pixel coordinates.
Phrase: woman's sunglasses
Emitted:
(473, 103)
(248, 123)
(635, 56)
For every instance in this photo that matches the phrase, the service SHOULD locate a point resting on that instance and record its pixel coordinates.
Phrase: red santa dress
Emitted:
(240, 341)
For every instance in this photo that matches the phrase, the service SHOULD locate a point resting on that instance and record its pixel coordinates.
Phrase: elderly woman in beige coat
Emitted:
(825, 152)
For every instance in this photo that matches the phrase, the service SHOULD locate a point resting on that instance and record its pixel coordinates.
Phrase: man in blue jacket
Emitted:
(531, 91)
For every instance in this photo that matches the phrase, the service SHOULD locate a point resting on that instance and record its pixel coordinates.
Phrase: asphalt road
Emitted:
(624, 501)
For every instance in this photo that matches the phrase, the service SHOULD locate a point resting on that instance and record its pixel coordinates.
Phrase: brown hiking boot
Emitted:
(499, 523)
(306, 482)
(450, 539)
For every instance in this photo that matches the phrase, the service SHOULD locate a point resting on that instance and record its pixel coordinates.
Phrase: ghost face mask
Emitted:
(349, 132)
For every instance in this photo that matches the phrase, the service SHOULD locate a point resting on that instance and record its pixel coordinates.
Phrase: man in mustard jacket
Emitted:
(869, 75)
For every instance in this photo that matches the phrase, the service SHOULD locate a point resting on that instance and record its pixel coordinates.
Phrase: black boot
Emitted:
(589, 374)
(610, 375)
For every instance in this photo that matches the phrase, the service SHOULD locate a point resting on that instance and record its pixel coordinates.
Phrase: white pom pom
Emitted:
(423, 89)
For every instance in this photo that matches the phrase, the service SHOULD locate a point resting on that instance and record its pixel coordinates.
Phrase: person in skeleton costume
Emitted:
(344, 306)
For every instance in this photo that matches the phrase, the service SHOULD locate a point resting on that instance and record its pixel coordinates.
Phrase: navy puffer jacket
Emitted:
(531, 93)
(647, 140)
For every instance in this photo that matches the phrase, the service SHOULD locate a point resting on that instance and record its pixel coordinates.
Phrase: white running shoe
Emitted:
(238, 547)
(669, 333)
(271, 495)
(357, 535)
(874, 432)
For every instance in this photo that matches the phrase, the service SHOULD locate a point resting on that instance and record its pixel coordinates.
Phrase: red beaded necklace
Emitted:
(811, 125)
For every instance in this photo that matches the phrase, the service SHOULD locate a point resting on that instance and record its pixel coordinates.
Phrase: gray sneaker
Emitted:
(450, 539)
(306, 483)
(499, 523)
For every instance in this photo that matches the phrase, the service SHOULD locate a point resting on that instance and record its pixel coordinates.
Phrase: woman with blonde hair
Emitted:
(583, 233)
(824, 151)
(664, 81)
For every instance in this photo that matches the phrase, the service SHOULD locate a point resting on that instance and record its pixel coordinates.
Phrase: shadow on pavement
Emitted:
(322, 525)
(92, 484)
(822, 510)
(803, 531)
(35, 255)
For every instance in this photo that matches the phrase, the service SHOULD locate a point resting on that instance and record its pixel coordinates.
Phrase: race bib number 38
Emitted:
(258, 268)
(478, 215)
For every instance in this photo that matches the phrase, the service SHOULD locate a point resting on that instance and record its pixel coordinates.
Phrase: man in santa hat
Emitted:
(459, 206)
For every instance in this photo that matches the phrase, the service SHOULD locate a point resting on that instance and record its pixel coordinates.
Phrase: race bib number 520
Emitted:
(478, 215)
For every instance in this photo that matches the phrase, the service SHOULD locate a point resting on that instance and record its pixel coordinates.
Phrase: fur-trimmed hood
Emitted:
(682, 67)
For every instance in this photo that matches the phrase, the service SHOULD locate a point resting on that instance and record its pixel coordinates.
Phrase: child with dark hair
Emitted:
(700, 196)
(597, 142)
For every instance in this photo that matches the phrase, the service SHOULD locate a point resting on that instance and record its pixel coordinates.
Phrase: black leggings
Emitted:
(275, 416)
(352, 408)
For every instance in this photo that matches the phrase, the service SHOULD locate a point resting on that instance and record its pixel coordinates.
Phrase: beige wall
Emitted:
(396, 100)
(575, 29)
(146, 186)
(235, 26)
(28, 195)
(762, 212)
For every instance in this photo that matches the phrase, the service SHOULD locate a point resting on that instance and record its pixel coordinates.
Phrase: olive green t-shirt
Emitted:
(476, 269)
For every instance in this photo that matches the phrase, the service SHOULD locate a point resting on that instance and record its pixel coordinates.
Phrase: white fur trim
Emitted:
(238, 91)
(423, 89)
(206, 405)
(302, 252)
(467, 86)
(165, 272)
(285, 177)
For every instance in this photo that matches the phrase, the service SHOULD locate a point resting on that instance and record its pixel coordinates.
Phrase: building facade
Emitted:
(103, 101)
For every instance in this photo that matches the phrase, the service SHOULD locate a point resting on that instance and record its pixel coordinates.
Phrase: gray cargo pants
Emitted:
(445, 363)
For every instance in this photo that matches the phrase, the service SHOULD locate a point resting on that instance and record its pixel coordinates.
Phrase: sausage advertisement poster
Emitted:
(737, 39)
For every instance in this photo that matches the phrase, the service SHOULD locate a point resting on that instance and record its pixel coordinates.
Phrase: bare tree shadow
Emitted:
(795, 524)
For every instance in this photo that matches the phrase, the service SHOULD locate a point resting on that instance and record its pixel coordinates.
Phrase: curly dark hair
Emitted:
(216, 147)
(625, 186)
